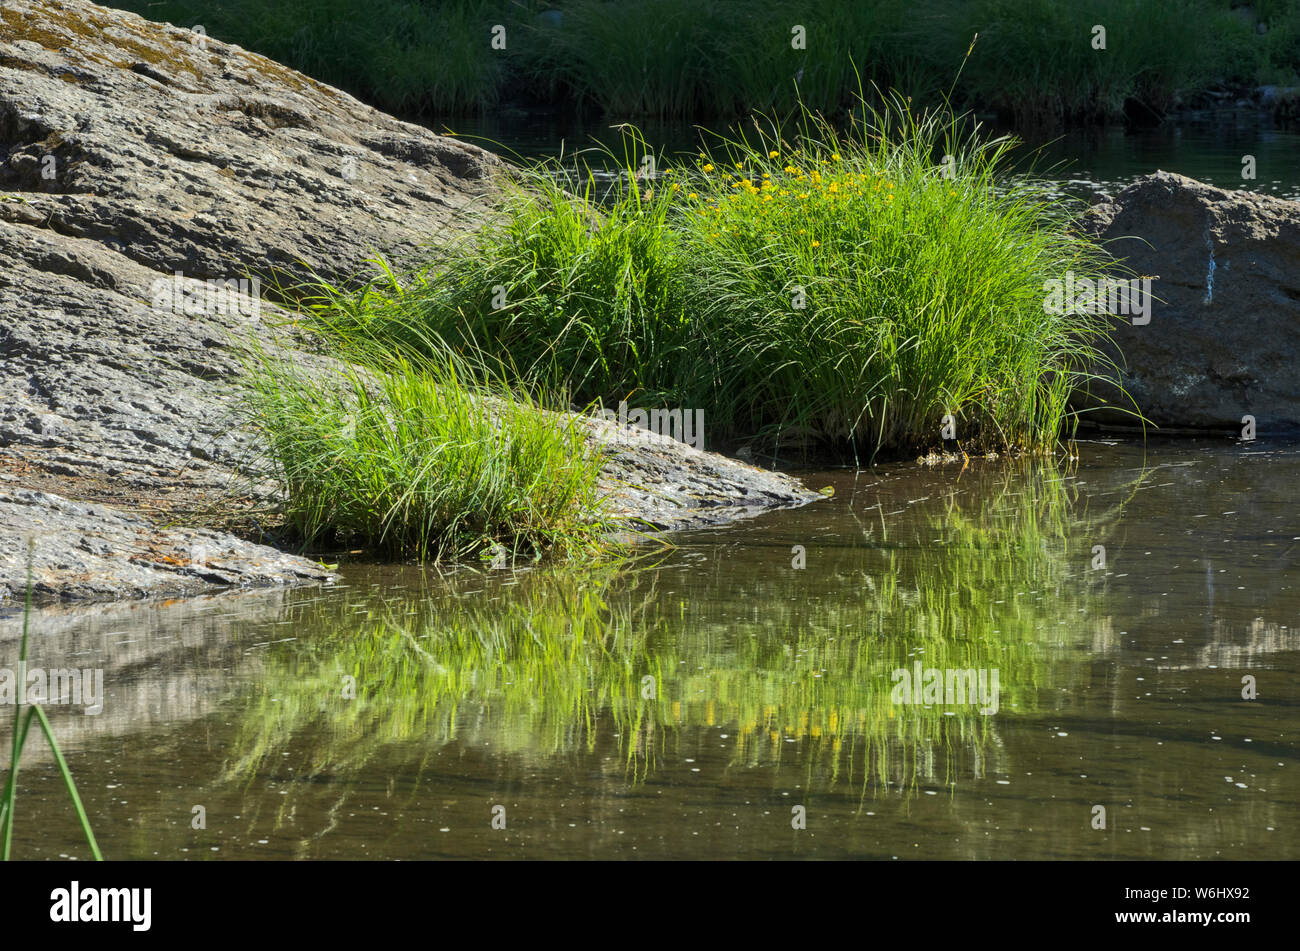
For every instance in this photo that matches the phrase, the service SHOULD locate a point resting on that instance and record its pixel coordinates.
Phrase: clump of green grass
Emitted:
(418, 457)
(839, 291)
(863, 287)
(579, 292)
(22, 725)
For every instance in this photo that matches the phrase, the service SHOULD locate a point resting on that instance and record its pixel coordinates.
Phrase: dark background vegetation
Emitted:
(704, 60)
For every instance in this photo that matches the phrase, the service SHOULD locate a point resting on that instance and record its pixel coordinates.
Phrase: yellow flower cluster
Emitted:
(813, 191)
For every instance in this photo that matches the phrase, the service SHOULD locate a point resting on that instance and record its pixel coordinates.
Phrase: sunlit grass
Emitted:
(804, 288)
(420, 458)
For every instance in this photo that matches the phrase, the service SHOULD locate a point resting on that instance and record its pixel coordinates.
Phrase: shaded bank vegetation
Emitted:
(683, 59)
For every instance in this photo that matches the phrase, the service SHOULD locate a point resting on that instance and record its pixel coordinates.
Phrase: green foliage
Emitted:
(683, 59)
(416, 457)
(403, 55)
(847, 292)
(1281, 44)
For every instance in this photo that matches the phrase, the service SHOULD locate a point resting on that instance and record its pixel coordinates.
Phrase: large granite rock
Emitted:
(178, 151)
(1223, 340)
(131, 152)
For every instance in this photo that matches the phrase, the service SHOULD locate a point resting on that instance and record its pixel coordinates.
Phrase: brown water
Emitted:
(769, 687)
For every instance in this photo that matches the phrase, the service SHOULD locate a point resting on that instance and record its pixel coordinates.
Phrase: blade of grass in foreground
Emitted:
(8, 799)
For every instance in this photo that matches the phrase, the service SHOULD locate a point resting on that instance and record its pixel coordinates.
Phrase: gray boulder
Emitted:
(179, 151)
(1223, 339)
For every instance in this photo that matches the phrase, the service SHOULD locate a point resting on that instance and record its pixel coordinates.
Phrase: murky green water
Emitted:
(1209, 147)
(686, 708)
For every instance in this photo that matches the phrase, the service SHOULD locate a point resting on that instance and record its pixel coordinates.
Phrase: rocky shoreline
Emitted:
(1221, 340)
(133, 153)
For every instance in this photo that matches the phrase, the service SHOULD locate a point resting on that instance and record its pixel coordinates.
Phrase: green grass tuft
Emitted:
(415, 457)
(841, 293)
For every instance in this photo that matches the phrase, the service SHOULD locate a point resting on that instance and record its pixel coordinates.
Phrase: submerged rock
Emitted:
(1223, 338)
(142, 166)
(84, 551)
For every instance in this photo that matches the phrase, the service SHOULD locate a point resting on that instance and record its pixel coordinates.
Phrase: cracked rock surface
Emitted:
(85, 551)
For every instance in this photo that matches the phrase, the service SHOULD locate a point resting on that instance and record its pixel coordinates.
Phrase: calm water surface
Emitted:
(685, 708)
(1207, 146)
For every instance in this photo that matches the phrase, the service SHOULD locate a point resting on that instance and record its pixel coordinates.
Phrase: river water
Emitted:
(1210, 146)
(708, 699)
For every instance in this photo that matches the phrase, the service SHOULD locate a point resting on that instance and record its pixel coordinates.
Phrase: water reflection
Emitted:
(540, 665)
(770, 686)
